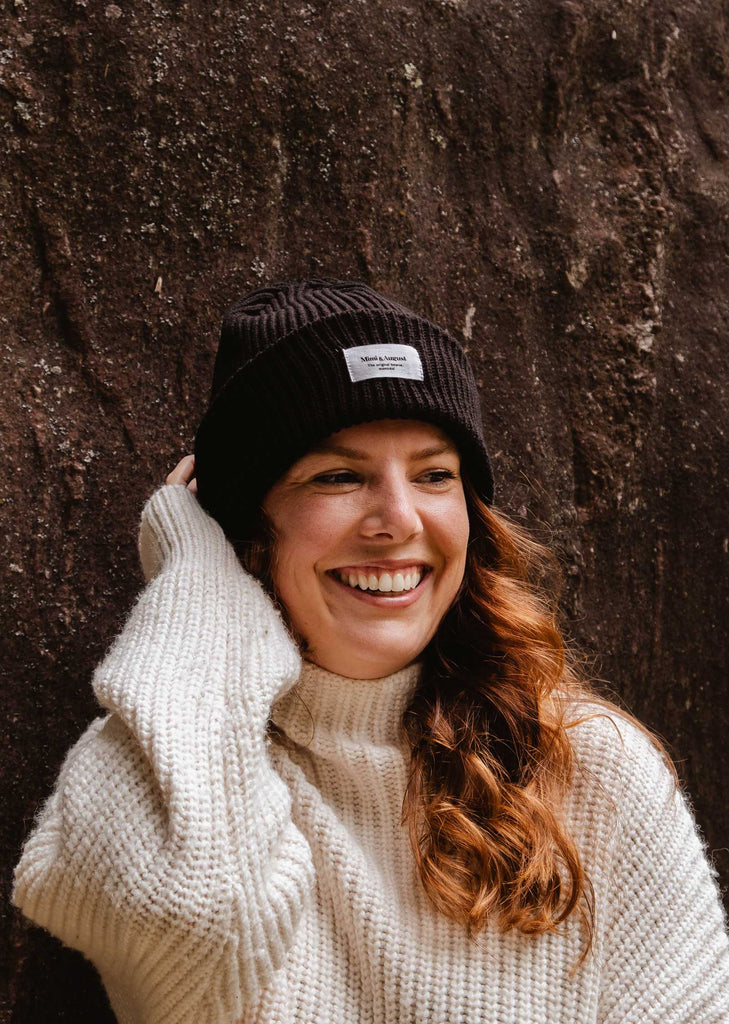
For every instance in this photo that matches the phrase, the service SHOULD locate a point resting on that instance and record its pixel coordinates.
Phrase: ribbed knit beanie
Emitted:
(298, 361)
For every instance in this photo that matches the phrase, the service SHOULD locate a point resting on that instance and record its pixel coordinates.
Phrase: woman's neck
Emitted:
(325, 705)
(368, 664)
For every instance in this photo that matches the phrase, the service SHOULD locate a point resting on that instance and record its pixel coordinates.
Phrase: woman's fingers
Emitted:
(184, 473)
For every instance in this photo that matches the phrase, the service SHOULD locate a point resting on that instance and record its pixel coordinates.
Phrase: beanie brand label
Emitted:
(367, 361)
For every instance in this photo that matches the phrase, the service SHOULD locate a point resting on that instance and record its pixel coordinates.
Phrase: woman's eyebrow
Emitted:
(354, 453)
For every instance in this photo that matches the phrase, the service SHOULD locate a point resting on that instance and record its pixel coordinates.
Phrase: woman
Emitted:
(348, 771)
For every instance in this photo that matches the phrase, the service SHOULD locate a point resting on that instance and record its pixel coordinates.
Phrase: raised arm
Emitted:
(167, 843)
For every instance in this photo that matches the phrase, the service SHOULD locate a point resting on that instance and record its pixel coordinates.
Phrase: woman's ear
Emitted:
(256, 552)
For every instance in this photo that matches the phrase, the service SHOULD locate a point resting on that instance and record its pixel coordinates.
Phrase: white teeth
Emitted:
(385, 583)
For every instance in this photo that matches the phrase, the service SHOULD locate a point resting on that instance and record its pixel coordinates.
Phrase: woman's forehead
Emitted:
(369, 437)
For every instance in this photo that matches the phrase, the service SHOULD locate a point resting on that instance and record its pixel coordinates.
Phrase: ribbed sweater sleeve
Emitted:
(166, 852)
(666, 956)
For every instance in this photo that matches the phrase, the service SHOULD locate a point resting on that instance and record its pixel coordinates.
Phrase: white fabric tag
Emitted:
(367, 361)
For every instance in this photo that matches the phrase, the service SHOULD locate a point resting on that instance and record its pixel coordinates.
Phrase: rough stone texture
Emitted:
(547, 178)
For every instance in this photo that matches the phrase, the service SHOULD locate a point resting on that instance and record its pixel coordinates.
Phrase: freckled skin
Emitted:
(387, 504)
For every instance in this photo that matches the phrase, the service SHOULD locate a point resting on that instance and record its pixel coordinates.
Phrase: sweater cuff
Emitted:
(173, 524)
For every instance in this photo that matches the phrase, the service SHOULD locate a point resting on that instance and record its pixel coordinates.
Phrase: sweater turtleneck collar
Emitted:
(358, 710)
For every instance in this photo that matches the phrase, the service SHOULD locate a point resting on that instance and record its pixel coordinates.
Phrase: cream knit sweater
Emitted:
(215, 878)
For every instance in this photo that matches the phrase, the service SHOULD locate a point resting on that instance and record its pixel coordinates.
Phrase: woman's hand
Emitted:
(173, 526)
(183, 473)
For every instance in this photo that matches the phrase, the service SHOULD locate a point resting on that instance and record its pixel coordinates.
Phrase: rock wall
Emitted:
(547, 178)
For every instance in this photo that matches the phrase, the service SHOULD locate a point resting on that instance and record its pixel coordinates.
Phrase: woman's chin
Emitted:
(367, 657)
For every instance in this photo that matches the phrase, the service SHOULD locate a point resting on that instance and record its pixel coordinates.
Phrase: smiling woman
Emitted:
(349, 769)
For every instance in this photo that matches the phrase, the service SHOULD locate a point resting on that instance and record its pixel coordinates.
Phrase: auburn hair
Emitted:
(491, 759)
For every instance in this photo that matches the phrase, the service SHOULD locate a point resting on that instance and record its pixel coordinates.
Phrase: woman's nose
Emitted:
(392, 511)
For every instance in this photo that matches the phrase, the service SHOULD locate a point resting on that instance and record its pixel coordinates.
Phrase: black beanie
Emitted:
(298, 361)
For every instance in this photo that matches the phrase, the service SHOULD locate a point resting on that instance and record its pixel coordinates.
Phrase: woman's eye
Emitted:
(440, 476)
(335, 478)
(434, 476)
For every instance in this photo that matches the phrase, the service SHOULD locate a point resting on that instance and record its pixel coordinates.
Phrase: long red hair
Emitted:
(491, 757)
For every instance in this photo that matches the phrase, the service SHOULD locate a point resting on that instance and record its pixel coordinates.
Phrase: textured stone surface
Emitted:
(547, 178)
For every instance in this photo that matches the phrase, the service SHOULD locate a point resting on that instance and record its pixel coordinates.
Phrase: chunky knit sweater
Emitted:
(215, 877)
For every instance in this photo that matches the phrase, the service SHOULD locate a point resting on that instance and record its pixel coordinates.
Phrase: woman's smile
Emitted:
(384, 590)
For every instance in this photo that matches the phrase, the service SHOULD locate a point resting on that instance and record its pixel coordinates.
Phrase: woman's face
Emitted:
(371, 537)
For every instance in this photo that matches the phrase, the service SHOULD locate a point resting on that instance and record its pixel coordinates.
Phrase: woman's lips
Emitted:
(384, 599)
